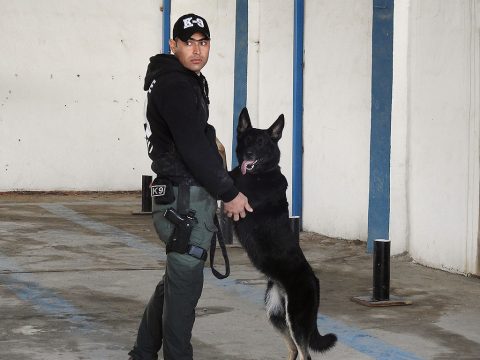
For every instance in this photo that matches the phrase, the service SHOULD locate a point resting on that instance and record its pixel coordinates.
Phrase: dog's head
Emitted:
(257, 150)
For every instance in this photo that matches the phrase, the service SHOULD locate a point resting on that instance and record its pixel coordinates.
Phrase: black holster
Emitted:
(184, 220)
(184, 223)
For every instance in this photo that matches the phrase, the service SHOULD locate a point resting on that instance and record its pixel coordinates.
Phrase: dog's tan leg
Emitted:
(301, 349)
(292, 348)
(304, 354)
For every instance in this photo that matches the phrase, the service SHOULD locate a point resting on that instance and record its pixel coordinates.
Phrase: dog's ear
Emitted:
(243, 122)
(275, 131)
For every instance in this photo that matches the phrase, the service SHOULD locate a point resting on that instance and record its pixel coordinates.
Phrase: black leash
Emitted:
(213, 245)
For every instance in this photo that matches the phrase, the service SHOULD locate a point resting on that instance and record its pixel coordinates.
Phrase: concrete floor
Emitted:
(76, 271)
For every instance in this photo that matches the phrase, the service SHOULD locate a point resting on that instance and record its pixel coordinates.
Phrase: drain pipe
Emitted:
(167, 9)
(297, 156)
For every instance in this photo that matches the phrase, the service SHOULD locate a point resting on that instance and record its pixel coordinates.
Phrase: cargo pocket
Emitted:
(211, 229)
(202, 234)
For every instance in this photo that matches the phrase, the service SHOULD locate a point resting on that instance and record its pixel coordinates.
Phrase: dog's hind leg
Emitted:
(299, 340)
(298, 309)
(275, 306)
(292, 348)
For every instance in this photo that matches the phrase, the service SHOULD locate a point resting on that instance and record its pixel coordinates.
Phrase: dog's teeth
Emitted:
(251, 165)
(248, 165)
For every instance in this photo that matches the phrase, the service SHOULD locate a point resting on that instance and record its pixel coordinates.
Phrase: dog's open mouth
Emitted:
(248, 165)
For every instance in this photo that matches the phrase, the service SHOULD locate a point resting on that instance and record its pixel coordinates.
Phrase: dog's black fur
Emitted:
(292, 296)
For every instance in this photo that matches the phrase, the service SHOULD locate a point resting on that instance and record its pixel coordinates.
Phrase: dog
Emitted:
(293, 291)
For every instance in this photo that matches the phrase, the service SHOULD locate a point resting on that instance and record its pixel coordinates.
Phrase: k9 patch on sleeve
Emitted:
(162, 192)
(158, 190)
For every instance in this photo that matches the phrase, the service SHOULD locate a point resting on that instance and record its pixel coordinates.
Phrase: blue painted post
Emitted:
(240, 72)
(381, 112)
(297, 158)
(166, 26)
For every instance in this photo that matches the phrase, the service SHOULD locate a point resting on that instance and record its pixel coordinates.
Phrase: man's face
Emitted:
(192, 54)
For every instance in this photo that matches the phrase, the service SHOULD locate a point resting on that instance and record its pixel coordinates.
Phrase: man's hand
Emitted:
(236, 208)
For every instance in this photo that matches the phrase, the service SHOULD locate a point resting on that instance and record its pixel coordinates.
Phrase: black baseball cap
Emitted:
(189, 24)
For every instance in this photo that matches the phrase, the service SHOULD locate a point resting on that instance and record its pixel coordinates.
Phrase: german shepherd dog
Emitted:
(293, 291)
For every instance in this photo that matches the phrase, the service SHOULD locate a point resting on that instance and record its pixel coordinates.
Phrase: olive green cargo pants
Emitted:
(170, 313)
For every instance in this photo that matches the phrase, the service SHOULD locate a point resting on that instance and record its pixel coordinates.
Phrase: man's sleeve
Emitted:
(177, 105)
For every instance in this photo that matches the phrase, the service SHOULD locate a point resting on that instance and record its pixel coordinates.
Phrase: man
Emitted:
(190, 176)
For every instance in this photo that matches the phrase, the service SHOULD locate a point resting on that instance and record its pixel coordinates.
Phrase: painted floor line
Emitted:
(354, 338)
(43, 300)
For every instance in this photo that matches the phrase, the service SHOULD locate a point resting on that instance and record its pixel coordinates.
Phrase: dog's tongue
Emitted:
(245, 163)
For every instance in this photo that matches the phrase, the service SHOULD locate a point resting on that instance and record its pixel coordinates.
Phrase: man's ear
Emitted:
(275, 131)
(243, 122)
(173, 45)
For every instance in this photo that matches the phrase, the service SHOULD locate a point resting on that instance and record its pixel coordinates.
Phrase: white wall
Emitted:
(442, 138)
(275, 74)
(337, 117)
(399, 235)
(439, 133)
(71, 92)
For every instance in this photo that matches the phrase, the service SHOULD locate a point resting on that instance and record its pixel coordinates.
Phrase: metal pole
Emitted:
(381, 270)
(381, 279)
(295, 226)
(146, 196)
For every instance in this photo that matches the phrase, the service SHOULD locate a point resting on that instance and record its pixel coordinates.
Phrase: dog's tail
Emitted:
(321, 343)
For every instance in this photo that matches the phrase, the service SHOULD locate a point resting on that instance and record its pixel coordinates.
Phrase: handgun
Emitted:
(180, 238)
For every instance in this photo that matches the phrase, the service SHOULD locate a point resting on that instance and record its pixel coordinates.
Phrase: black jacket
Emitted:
(180, 141)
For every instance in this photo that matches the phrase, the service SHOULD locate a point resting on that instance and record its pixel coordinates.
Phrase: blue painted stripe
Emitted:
(298, 49)
(356, 339)
(167, 7)
(240, 72)
(46, 301)
(381, 113)
(362, 341)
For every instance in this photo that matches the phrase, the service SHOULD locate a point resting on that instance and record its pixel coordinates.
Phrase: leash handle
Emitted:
(213, 245)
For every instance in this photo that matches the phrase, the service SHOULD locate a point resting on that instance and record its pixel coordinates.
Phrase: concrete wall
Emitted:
(71, 93)
(275, 75)
(337, 117)
(399, 226)
(435, 157)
